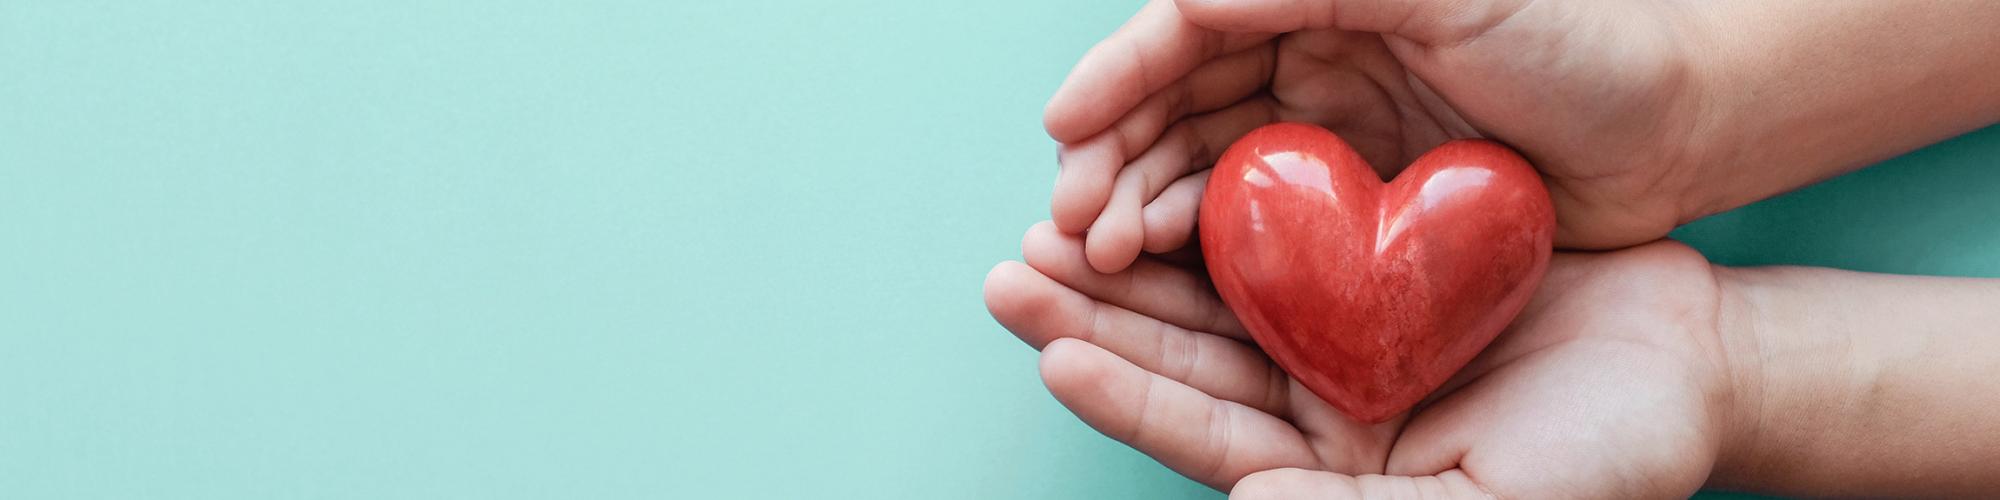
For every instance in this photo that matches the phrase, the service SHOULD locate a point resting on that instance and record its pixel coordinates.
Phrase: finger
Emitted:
(1209, 440)
(1186, 258)
(1424, 21)
(1083, 184)
(1039, 311)
(1439, 437)
(1312, 484)
(1112, 243)
(1214, 85)
(1176, 296)
(1170, 218)
(1154, 49)
(1119, 233)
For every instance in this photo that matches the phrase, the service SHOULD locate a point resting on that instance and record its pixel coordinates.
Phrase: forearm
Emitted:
(1856, 384)
(1802, 90)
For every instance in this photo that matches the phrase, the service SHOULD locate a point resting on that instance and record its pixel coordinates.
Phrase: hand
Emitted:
(1611, 384)
(1601, 96)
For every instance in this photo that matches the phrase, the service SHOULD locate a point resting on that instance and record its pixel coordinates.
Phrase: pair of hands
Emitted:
(1611, 384)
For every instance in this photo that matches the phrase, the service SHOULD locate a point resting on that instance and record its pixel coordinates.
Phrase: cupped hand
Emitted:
(1600, 96)
(1611, 384)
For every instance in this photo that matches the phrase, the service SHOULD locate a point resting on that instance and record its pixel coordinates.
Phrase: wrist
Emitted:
(1714, 139)
(1729, 130)
(1791, 94)
(1740, 328)
(1855, 384)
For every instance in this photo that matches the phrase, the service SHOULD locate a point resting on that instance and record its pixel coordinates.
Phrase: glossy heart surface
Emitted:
(1372, 295)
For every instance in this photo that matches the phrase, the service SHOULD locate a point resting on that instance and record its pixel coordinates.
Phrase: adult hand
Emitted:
(1611, 384)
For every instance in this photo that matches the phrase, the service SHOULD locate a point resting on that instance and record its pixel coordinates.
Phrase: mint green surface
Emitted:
(503, 249)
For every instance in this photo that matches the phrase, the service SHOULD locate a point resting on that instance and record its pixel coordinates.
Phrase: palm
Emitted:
(1605, 398)
(1352, 84)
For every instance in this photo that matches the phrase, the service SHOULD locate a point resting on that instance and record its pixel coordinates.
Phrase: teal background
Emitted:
(596, 249)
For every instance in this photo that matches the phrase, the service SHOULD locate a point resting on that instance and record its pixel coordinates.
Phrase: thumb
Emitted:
(1295, 484)
(1424, 21)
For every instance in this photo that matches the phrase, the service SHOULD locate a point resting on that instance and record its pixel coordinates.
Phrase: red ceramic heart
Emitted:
(1373, 294)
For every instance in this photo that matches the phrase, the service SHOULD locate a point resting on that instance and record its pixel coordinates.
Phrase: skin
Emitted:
(1639, 115)
(1863, 385)
(1150, 357)
(1639, 373)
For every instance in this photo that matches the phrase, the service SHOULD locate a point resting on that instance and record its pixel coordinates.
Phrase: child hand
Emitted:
(1601, 96)
(1610, 385)
(1640, 115)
